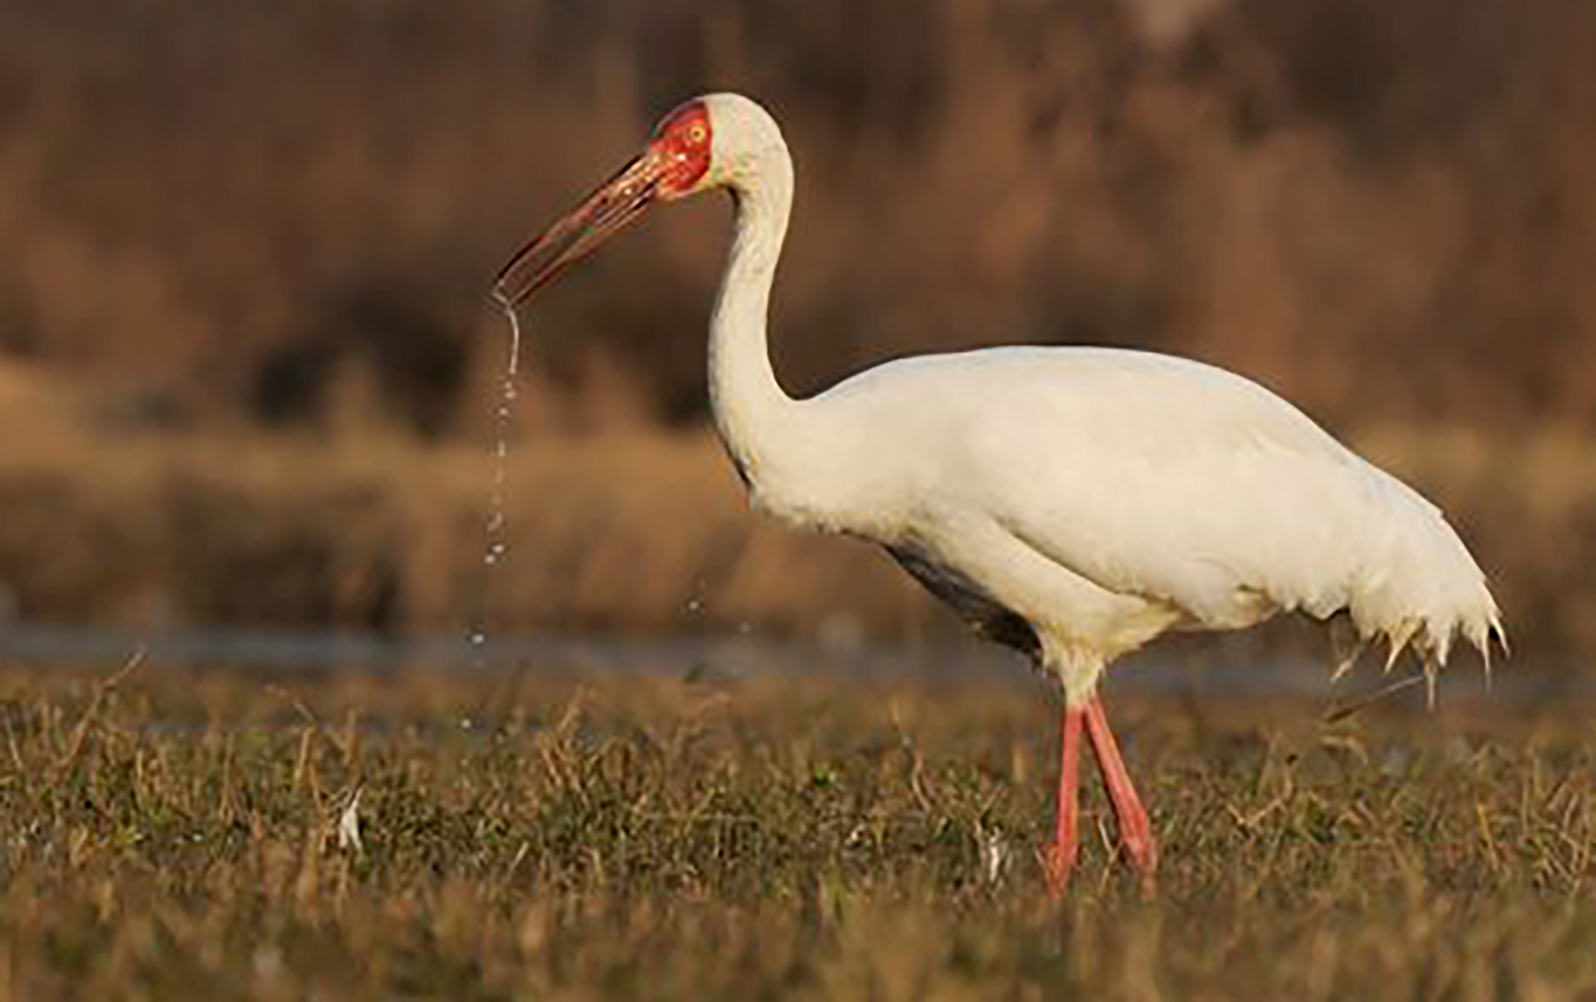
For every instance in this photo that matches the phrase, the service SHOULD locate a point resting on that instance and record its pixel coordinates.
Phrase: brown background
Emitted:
(246, 365)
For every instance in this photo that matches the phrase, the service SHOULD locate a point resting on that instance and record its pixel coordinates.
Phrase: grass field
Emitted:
(186, 836)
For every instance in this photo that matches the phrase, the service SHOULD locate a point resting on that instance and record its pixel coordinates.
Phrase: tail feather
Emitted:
(1420, 588)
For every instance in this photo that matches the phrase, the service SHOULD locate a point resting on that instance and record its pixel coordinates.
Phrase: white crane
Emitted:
(1071, 502)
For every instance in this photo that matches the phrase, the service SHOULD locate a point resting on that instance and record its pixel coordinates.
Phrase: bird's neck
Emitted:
(754, 416)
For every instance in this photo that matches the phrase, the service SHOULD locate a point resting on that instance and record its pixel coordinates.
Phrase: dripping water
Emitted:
(497, 542)
(495, 527)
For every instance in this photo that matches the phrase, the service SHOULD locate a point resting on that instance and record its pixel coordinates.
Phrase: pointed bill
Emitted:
(616, 204)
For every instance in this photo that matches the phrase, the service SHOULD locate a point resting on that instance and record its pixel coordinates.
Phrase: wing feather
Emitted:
(1165, 478)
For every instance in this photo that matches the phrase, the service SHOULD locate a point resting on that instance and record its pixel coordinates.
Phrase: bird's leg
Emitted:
(1135, 832)
(1058, 859)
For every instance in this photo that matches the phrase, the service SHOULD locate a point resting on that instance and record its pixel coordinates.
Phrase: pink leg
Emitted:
(1135, 833)
(1058, 859)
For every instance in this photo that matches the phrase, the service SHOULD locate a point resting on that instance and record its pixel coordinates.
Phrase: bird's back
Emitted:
(1166, 478)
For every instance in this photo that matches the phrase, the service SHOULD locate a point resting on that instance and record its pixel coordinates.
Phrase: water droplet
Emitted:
(495, 526)
(496, 543)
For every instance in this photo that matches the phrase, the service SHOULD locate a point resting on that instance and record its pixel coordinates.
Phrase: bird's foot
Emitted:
(1058, 862)
(1148, 881)
(1142, 851)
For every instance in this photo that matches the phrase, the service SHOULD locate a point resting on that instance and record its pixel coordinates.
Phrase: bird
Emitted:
(1071, 502)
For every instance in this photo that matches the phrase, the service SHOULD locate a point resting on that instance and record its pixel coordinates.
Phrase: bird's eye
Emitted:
(695, 134)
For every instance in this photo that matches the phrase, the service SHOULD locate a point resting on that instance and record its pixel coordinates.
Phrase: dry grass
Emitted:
(179, 837)
(636, 530)
(640, 530)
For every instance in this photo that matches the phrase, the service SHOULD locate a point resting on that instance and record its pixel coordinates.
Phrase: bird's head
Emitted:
(709, 142)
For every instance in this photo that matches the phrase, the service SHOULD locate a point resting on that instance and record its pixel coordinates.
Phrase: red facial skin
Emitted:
(682, 143)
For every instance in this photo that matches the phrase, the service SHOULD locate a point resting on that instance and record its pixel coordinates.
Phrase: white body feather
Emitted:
(1100, 496)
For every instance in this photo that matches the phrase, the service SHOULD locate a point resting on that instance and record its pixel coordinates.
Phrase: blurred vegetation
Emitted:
(246, 361)
(188, 837)
(614, 532)
(1380, 209)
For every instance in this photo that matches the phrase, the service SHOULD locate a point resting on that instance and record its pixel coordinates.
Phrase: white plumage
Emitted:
(1105, 496)
(1072, 502)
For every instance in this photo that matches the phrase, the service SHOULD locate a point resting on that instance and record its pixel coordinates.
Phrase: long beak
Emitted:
(606, 212)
